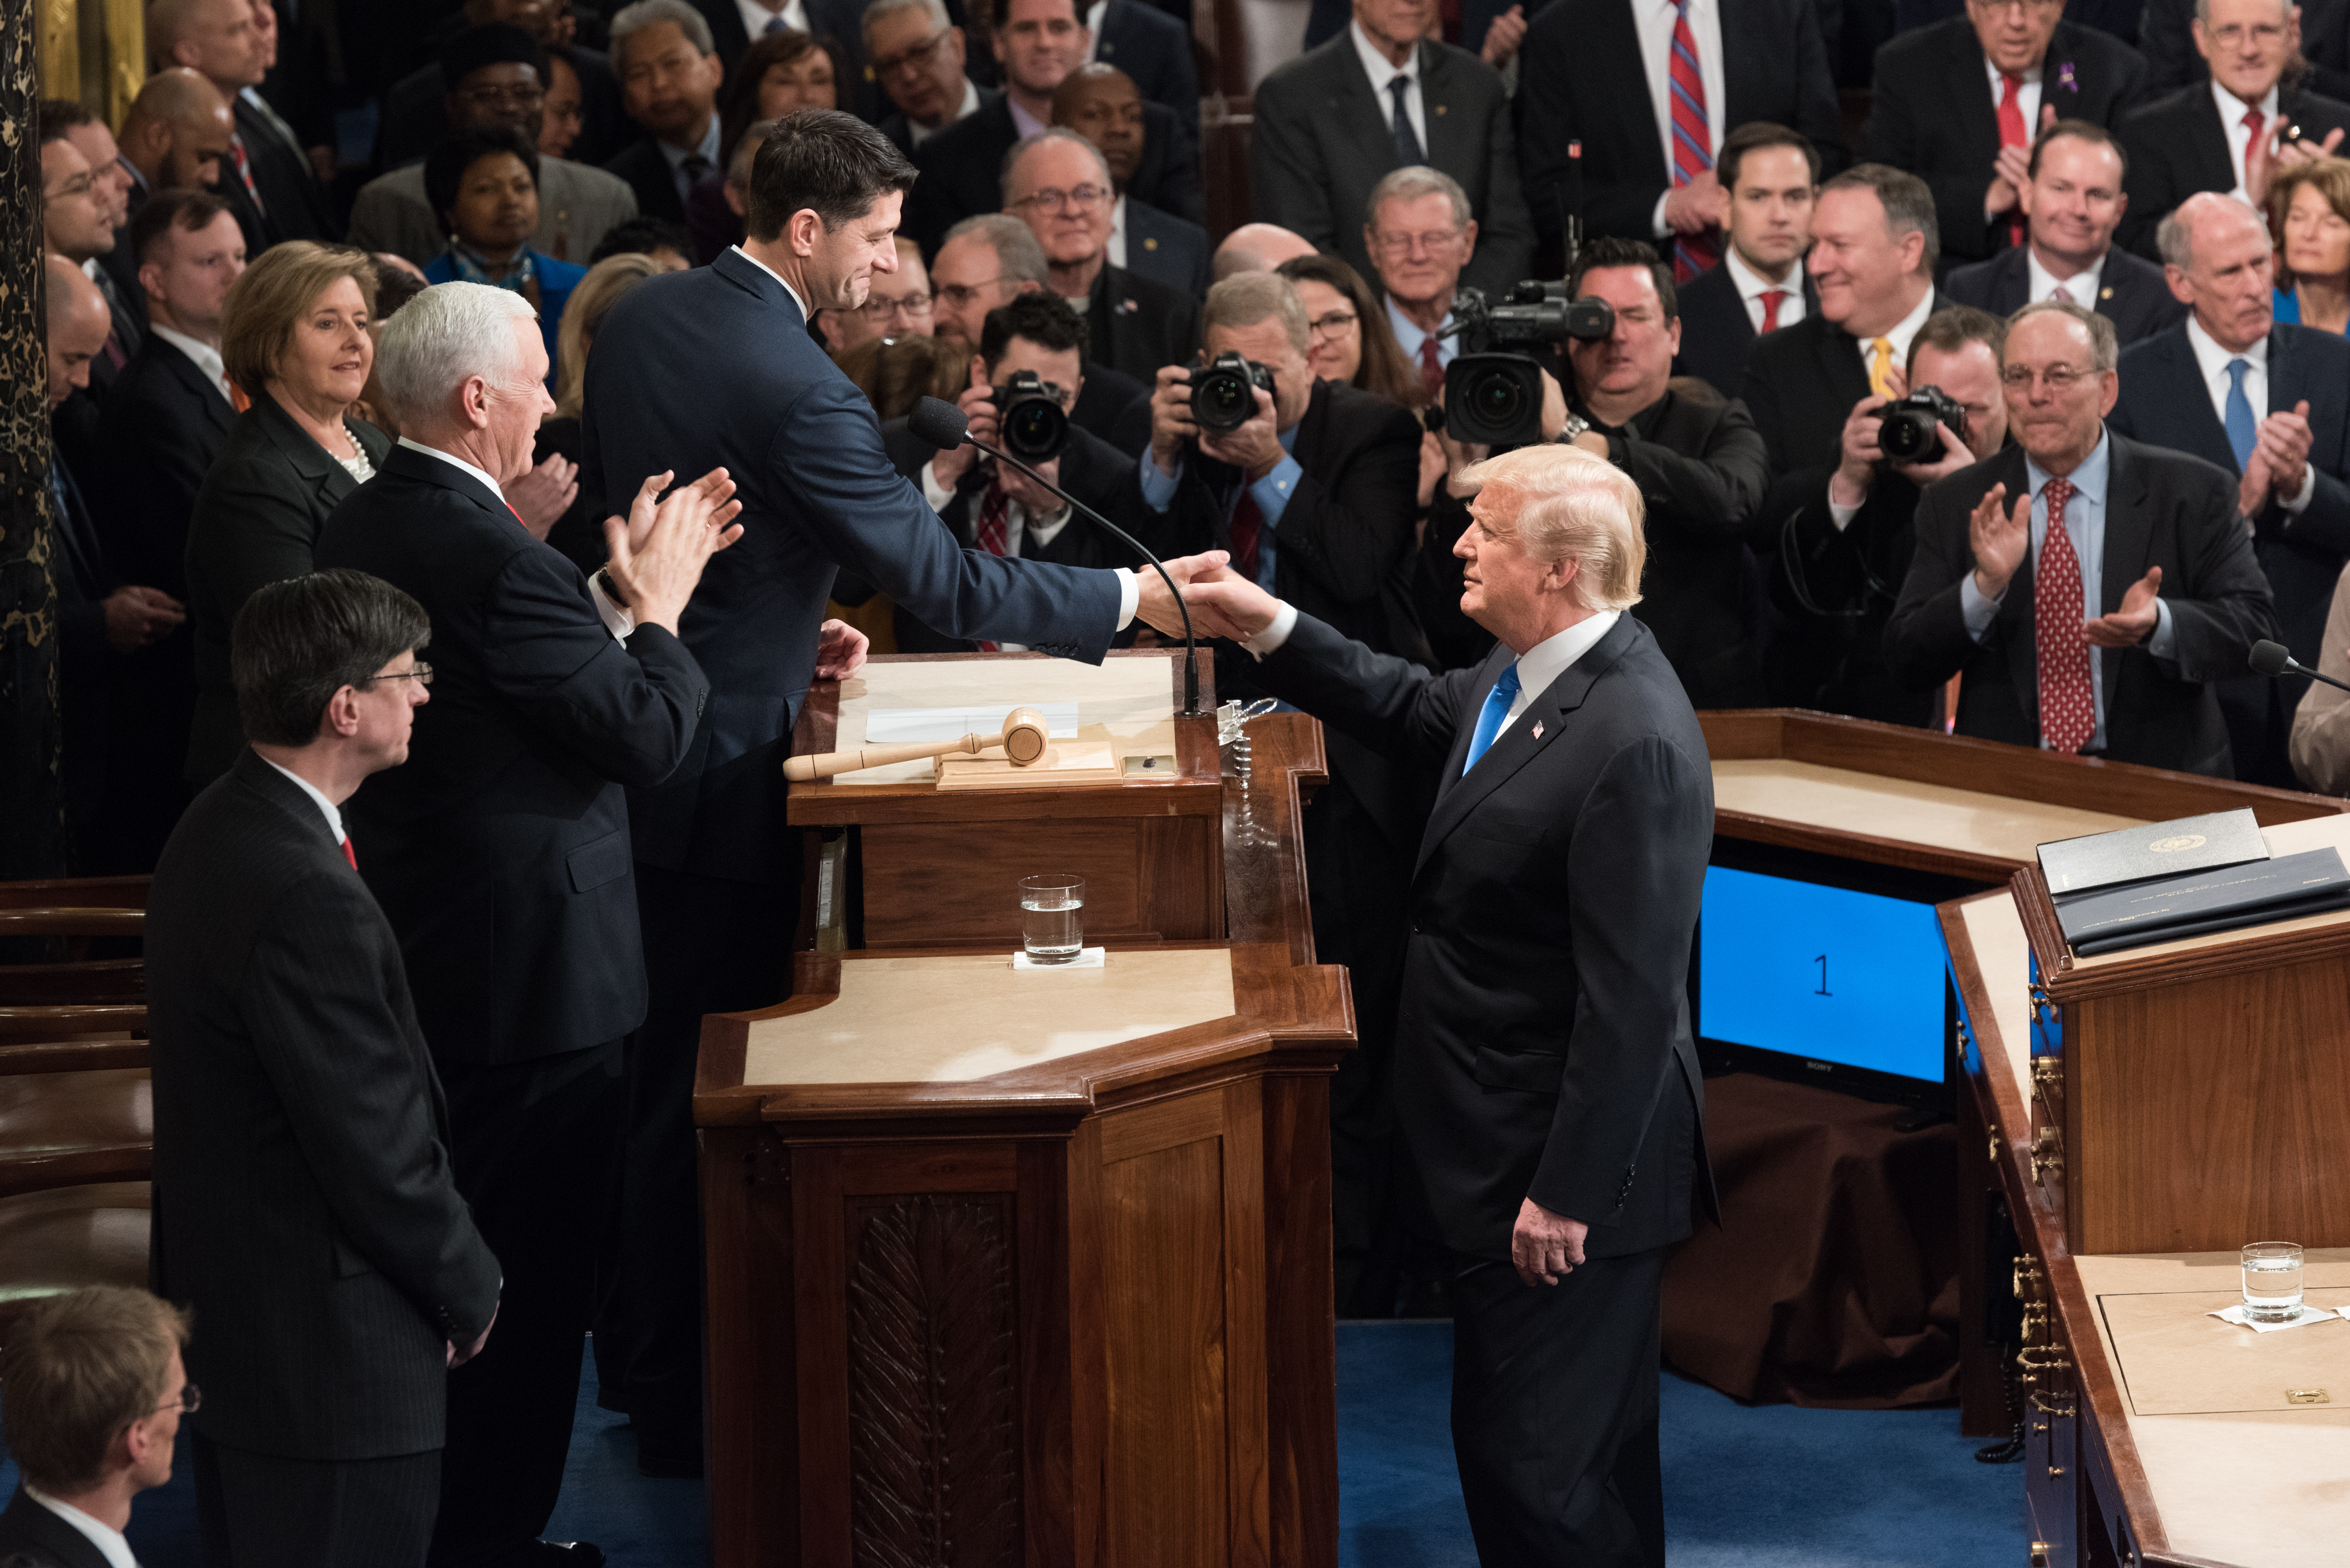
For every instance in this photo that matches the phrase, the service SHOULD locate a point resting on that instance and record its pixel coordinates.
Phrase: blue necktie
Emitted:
(1489, 717)
(2240, 414)
(1407, 141)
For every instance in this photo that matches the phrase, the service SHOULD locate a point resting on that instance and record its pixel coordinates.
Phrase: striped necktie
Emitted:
(1692, 143)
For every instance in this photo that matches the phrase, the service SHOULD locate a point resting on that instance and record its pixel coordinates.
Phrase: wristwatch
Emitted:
(1576, 425)
(611, 589)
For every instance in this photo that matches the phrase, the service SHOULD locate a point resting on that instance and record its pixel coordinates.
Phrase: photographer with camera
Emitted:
(1310, 485)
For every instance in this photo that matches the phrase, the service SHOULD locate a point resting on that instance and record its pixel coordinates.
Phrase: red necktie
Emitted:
(348, 854)
(244, 169)
(2253, 120)
(1248, 522)
(1431, 367)
(994, 531)
(1692, 143)
(1771, 297)
(2069, 712)
(2012, 134)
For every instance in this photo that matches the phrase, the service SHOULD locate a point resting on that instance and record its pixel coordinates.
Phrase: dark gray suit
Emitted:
(2178, 147)
(1166, 249)
(2131, 293)
(1323, 140)
(33, 1537)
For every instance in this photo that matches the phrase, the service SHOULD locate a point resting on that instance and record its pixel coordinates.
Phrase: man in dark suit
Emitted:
(2270, 403)
(1596, 71)
(2229, 133)
(2137, 547)
(96, 1389)
(176, 135)
(670, 76)
(1872, 261)
(304, 1208)
(715, 366)
(1059, 185)
(2073, 193)
(1959, 104)
(1314, 498)
(268, 182)
(417, 110)
(1101, 104)
(501, 852)
(1154, 49)
(1547, 1075)
(1379, 98)
(840, 21)
(75, 224)
(1772, 176)
(917, 56)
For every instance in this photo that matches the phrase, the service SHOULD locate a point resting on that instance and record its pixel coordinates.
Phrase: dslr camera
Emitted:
(1493, 391)
(1912, 429)
(1223, 392)
(1029, 417)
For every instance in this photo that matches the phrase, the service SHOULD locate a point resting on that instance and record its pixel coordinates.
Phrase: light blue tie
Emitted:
(2240, 414)
(1489, 717)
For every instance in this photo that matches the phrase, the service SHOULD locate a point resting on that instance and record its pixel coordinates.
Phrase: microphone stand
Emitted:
(2296, 666)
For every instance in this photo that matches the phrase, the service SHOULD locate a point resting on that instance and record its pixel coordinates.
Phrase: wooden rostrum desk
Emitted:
(1011, 1267)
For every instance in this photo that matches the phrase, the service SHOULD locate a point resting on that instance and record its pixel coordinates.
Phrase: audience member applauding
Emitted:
(578, 533)
(2228, 134)
(2073, 193)
(2027, 580)
(1418, 229)
(917, 54)
(295, 342)
(1259, 247)
(96, 1390)
(2271, 404)
(2309, 212)
(484, 189)
(1100, 103)
(1960, 103)
(1038, 42)
(556, 694)
(1060, 184)
(177, 135)
(497, 76)
(1352, 341)
(305, 1209)
(899, 305)
(267, 181)
(670, 77)
(1771, 176)
(1382, 96)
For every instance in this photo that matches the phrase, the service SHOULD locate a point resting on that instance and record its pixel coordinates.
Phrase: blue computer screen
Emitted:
(1822, 972)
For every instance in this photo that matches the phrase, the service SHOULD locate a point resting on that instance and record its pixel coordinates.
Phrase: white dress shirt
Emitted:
(1376, 66)
(1019, 527)
(2080, 288)
(2212, 359)
(1410, 334)
(1655, 19)
(2240, 137)
(108, 1541)
(207, 358)
(1753, 286)
(1117, 231)
(2027, 97)
(919, 133)
(334, 814)
(1092, 18)
(618, 618)
(756, 17)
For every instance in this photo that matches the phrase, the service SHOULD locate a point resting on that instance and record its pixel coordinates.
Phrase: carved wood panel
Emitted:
(934, 1383)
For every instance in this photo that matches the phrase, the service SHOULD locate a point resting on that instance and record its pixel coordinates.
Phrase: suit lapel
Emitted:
(2212, 170)
(2191, 424)
(1351, 99)
(1436, 79)
(1966, 87)
(2284, 372)
(218, 413)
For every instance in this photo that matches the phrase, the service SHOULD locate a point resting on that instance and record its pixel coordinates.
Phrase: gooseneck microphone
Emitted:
(2272, 658)
(944, 426)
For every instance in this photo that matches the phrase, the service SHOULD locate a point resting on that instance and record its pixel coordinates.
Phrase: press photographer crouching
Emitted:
(1024, 379)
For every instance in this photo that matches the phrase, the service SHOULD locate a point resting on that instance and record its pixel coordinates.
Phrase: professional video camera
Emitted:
(1912, 431)
(1029, 414)
(1492, 391)
(1223, 392)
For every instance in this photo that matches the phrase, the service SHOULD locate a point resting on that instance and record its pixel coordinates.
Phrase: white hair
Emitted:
(444, 336)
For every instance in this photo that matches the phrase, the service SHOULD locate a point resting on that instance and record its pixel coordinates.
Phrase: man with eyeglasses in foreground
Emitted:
(96, 1390)
(2088, 588)
(305, 1208)
(1060, 184)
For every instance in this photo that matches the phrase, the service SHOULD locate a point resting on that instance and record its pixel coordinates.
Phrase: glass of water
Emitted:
(1053, 918)
(2272, 1282)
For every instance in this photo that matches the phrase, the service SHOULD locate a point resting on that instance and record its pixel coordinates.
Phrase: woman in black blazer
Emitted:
(294, 337)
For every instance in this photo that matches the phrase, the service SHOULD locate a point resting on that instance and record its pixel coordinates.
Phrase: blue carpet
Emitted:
(1773, 1487)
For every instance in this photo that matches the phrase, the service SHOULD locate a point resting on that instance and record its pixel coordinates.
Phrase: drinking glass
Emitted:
(1052, 917)
(2272, 1282)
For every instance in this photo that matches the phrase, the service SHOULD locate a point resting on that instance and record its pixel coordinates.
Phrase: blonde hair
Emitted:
(270, 299)
(607, 284)
(1565, 503)
(79, 1368)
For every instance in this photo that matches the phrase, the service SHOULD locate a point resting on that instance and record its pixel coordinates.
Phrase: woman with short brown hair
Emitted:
(2309, 213)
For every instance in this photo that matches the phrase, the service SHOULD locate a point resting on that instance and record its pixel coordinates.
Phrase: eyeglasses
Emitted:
(957, 295)
(2029, 7)
(2057, 379)
(909, 58)
(187, 1402)
(2268, 34)
(1432, 241)
(1337, 324)
(75, 185)
(1052, 198)
(422, 675)
(879, 310)
(494, 98)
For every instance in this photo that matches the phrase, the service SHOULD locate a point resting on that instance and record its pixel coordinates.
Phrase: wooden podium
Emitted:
(1033, 1267)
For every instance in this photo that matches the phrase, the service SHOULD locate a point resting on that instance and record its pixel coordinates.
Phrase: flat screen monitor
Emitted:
(1831, 984)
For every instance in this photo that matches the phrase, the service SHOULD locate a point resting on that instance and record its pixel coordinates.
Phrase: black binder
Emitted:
(2283, 889)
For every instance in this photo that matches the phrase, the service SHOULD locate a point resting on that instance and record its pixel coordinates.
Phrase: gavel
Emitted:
(1022, 738)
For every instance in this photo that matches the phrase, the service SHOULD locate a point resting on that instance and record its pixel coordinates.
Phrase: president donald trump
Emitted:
(1544, 1065)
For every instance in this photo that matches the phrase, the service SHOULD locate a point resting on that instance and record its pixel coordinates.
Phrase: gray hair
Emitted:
(447, 334)
(1410, 184)
(1246, 298)
(1908, 201)
(1021, 149)
(1017, 250)
(2105, 343)
(882, 9)
(633, 19)
(2174, 237)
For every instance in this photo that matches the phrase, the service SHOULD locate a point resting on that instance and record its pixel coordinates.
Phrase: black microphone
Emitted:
(944, 426)
(2270, 658)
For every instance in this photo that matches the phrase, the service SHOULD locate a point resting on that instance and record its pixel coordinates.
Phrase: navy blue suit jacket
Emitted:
(715, 366)
(1166, 249)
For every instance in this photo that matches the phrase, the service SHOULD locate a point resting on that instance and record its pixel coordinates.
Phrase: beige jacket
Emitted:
(2321, 725)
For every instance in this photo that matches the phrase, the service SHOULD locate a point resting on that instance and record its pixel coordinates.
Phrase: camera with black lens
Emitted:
(1493, 390)
(1912, 431)
(1223, 392)
(1028, 412)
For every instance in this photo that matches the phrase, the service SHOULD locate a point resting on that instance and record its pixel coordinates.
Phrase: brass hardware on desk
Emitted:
(2047, 1407)
(2047, 1071)
(2035, 1321)
(2039, 1000)
(2027, 1276)
(1993, 1155)
(2306, 1396)
(2055, 1470)
(2045, 1156)
(2041, 1556)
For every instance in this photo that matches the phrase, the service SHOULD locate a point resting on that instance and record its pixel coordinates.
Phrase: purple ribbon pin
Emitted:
(2064, 78)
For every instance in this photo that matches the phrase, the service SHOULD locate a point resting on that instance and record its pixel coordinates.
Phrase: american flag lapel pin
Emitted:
(1537, 729)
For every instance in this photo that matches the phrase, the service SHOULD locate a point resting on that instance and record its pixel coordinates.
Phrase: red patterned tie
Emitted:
(1248, 523)
(1431, 367)
(2068, 712)
(2012, 134)
(1772, 299)
(1692, 143)
(994, 532)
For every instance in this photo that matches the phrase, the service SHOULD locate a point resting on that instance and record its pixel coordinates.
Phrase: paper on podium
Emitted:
(1118, 708)
(892, 725)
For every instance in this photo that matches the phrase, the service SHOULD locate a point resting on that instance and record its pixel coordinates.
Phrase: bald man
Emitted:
(1102, 104)
(267, 180)
(1259, 247)
(177, 135)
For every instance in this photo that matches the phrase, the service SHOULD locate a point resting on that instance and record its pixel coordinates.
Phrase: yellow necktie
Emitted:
(1880, 362)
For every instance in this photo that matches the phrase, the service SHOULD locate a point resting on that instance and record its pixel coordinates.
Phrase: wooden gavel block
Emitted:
(1024, 740)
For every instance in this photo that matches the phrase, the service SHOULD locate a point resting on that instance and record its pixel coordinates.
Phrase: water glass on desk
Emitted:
(1052, 917)
(2272, 1282)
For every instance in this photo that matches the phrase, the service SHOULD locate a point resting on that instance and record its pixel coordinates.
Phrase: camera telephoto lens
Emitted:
(1498, 400)
(1036, 430)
